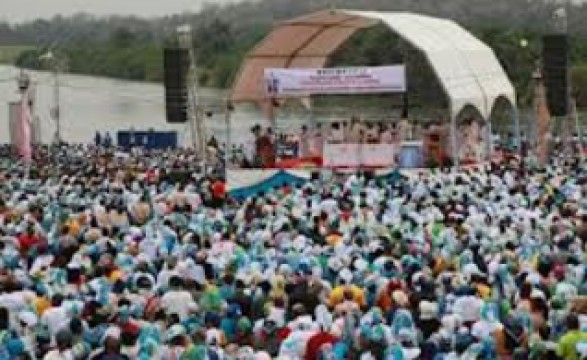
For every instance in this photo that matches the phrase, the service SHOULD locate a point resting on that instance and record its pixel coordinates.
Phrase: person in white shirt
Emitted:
(318, 141)
(304, 143)
(386, 136)
(489, 323)
(372, 134)
(177, 301)
(336, 135)
(55, 317)
(168, 271)
(355, 130)
(250, 148)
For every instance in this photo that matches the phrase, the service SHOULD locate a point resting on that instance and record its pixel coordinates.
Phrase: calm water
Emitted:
(90, 104)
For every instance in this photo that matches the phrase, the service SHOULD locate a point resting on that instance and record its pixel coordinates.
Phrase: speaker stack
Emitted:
(176, 63)
(555, 55)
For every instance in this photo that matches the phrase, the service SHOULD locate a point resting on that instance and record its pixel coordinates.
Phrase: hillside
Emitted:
(10, 53)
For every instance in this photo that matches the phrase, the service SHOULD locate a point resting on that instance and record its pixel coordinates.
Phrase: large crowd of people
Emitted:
(114, 257)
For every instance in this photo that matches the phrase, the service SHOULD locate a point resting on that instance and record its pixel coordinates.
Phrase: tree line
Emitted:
(131, 48)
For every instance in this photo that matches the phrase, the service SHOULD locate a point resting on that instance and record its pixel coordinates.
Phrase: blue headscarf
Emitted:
(402, 323)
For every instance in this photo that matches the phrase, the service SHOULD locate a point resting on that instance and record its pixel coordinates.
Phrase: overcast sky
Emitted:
(22, 10)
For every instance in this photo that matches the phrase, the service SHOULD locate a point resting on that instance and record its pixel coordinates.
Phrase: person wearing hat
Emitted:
(176, 342)
(244, 332)
(428, 318)
(27, 324)
(489, 322)
(356, 294)
(348, 306)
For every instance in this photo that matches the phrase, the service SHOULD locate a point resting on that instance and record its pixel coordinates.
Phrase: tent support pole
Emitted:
(517, 134)
(228, 148)
(489, 140)
(453, 141)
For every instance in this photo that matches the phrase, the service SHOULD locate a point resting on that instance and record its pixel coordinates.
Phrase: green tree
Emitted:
(122, 38)
(579, 80)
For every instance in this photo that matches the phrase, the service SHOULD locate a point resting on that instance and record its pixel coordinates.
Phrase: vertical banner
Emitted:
(355, 80)
(543, 124)
(25, 121)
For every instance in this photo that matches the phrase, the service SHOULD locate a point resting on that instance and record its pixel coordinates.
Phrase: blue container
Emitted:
(411, 156)
(151, 140)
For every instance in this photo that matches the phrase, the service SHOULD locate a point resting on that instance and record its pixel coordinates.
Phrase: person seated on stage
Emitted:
(406, 130)
(336, 135)
(372, 134)
(355, 130)
(417, 131)
(265, 147)
(362, 138)
(269, 133)
(345, 131)
(394, 132)
(292, 142)
(318, 141)
(304, 142)
(385, 135)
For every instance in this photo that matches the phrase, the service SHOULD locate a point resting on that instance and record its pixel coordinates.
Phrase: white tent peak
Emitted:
(467, 68)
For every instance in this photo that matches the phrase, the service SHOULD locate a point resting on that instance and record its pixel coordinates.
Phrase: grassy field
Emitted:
(9, 53)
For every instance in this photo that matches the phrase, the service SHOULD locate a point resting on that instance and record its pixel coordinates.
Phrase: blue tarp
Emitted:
(277, 180)
(160, 140)
(284, 178)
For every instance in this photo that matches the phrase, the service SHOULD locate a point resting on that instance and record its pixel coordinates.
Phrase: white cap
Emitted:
(27, 317)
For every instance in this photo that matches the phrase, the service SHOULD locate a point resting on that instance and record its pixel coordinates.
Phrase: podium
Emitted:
(411, 155)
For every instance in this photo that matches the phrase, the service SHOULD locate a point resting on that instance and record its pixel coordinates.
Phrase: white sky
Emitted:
(22, 10)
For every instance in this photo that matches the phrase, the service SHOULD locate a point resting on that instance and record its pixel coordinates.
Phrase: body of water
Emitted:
(90, 104)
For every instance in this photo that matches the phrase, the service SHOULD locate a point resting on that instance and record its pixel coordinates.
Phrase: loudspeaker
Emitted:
(555, 55)
(176, 64)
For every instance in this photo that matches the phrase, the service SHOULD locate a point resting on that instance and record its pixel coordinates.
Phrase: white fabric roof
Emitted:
(467, 69)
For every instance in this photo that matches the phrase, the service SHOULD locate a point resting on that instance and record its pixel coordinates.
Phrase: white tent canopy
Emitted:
(467, 69)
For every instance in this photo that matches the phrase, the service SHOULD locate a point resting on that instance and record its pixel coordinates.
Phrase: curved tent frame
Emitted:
(467, 69)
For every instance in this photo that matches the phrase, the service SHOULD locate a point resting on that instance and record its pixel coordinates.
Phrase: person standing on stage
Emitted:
(304, 141)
